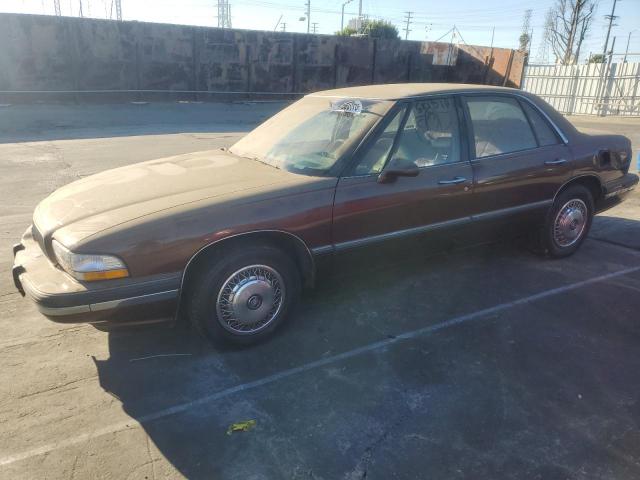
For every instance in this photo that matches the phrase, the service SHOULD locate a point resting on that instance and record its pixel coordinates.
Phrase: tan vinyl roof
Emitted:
(393, 91)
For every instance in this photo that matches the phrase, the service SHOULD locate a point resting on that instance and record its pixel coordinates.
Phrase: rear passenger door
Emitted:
(519, 160)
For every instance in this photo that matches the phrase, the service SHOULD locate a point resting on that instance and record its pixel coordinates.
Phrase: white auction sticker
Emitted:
(347, 106)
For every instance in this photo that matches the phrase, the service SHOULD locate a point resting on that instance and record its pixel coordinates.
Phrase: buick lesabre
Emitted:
(228, 238)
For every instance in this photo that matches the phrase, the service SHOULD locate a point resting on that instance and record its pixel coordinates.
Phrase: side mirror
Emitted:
(389, 176)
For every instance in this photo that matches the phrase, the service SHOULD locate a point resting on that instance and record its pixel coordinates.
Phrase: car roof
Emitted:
(396, 91)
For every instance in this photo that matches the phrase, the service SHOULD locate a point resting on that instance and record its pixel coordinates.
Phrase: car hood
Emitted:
(122, 194)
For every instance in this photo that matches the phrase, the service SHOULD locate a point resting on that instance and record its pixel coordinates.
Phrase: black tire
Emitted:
(214, 273)
(553, 244)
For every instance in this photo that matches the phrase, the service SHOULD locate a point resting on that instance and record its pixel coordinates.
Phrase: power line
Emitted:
(445, 34)
(488, 16)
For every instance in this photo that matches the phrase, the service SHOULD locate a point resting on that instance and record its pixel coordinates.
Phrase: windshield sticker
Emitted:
(347, 106)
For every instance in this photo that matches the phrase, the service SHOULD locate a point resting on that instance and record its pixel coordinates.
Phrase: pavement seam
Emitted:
(379, 345)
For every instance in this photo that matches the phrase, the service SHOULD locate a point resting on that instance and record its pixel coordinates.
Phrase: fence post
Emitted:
(574, 90)
(196, 64)
(335, 65)
(138, 69)
(373, 60)
(508, 72)
(72, 51)
(294, 63)
(248, 64)
(634, 94)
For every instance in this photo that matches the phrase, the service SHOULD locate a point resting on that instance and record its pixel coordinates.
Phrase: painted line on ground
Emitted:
(380, 345)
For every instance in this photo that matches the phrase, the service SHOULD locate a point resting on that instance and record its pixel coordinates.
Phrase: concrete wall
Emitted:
(105, 58)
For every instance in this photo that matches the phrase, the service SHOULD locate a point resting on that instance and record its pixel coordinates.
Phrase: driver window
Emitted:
(430, 135)
(373, 161)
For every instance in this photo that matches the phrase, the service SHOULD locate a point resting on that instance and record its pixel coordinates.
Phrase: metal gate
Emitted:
(591, 89)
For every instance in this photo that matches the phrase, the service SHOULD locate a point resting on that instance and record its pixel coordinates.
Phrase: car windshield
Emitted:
(311, 135)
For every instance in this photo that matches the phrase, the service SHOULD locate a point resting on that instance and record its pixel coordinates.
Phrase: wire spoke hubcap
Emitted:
(250, 299)
(570, 223)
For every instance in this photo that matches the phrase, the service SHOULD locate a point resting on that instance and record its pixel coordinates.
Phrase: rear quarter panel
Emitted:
(585, 150)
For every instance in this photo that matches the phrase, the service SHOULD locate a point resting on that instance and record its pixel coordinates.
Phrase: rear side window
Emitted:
(499, 126)
(546, 136)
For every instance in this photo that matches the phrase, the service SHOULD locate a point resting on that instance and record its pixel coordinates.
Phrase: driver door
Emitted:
(423, 136)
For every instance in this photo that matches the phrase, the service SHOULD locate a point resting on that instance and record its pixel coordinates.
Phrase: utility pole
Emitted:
(406, 28)
(80, 11)
(119, 10)
(626, 50)
(613, 46)
(611, 18)
(314, 27)
(342, 17)
(56, 7)
(359, 24)
(283, 27)
(308, 5)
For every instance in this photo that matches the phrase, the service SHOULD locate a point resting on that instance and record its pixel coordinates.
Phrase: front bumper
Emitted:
(62, 298)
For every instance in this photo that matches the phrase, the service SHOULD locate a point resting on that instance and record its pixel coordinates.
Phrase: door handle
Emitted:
(453, 181)
(558, 161)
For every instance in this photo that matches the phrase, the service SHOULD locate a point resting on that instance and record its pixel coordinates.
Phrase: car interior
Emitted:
(429, 137)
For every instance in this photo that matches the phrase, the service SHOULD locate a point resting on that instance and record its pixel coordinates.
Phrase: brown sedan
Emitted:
(229, 237)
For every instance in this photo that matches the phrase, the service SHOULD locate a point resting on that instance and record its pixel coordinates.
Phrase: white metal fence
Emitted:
(591, 89)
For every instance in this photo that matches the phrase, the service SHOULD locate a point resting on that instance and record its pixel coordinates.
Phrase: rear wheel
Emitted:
(243, 296)
(568, 222)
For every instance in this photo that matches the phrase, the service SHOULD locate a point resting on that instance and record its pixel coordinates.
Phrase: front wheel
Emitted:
(568, 222)
(245, 295)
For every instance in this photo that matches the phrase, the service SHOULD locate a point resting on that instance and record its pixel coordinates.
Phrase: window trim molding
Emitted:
(464, 123)
(517, 152)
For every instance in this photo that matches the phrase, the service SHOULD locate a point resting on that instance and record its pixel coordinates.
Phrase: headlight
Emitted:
(89, 267)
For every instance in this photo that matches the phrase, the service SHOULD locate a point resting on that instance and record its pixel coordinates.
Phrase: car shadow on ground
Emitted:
(501, 398)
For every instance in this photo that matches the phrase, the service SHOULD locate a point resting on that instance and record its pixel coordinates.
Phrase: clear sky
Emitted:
(431, 18)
